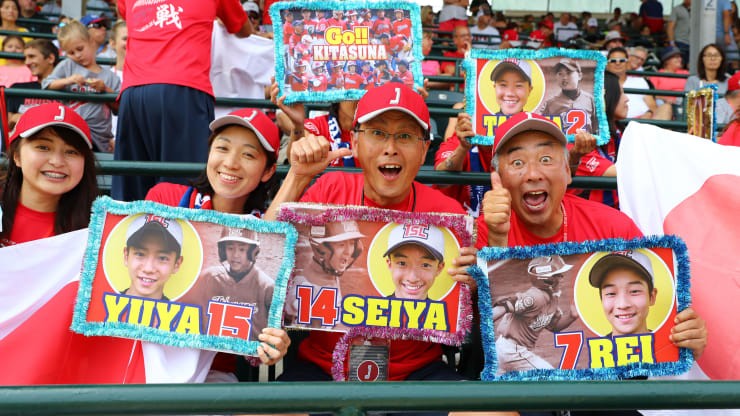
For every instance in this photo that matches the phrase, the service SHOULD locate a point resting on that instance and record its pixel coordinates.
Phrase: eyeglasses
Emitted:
(638, 57)
(401, 138)
(617, 60)
(712, 55)
(96, 25)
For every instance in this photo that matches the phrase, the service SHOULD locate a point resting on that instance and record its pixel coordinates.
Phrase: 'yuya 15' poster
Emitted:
(192, 278)
(564, 85)
(336, 50)
(597, 310)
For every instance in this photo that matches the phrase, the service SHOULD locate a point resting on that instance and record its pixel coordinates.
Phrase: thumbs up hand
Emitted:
(497, 212)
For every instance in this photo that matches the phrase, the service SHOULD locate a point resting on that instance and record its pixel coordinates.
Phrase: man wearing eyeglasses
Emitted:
(390, 138)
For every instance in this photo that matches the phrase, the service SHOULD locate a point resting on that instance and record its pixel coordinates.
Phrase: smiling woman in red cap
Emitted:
(51, 170)
(238, 179)
(239, 175)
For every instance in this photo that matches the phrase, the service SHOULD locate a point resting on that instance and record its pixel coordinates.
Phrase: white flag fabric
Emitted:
(38, 288)
(240, 67)
(674, 183)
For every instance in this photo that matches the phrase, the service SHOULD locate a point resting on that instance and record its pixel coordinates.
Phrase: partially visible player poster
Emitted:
(700, 117)
(182, 277)
(564, 85)
(602, 310)
(337, 50)
(379, 269)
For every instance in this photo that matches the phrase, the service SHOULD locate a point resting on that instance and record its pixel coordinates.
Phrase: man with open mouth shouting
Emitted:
(390, 138)
(527, 205)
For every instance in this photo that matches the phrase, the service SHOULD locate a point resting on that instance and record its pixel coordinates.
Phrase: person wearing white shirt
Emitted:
(564, 28)
(485, 36)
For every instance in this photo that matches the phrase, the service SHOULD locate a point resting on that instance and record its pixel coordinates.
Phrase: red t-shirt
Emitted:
(318, 83)
(266, 19)
(347, 189)
(397, 43)
(30, 225)
(406, 77)
(352, 80)
(595, 164)
(171, 43)
(382, 26)
(731, 136)
(587, 220)
(402, 27)
(298, 81)
(336, 22)
(450, 54)
(670, 84)
(461, 193)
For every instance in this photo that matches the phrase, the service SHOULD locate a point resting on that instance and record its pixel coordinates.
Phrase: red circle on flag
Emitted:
(368, 370)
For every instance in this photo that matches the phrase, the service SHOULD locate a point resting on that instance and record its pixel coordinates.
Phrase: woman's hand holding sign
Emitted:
(274, 343)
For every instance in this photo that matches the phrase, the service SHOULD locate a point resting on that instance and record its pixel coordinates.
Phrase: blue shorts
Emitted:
(160, 122)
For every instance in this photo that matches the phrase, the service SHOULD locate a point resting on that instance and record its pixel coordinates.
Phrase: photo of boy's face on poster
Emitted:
(562, 88)
(340, 50)
(583, 311)
(194, 282)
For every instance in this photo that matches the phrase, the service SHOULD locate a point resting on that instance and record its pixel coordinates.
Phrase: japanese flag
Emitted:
(38, 287)
(674, 183)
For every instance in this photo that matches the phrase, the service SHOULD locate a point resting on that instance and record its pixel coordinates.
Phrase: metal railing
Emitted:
(353, 399)
(427, 174)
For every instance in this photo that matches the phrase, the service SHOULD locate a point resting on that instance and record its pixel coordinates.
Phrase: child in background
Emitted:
(80, 73)
(51, 170)
(118, 37)
(14, 70)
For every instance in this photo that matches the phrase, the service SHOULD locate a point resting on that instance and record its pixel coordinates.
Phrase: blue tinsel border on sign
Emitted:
(340, 95)
(470, 81)
(683, 297)
(460, 224)
(104, 205)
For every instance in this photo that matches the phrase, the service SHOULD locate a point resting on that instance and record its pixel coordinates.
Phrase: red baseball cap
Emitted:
(392, 96)
(261, 125)
(41, 116)
(525, 121)
(733, 84)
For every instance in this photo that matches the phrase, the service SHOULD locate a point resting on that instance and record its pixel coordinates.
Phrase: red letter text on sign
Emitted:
(572, 342)
(323, 306)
